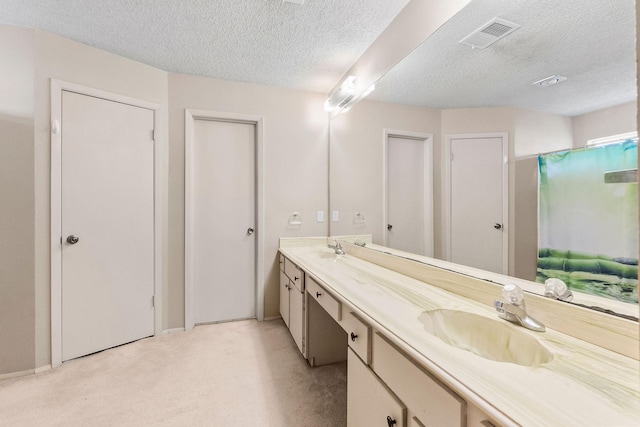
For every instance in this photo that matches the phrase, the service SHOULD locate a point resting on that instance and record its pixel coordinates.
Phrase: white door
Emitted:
(478, 202)
(107, 204)
(409, 206)
(224, 221)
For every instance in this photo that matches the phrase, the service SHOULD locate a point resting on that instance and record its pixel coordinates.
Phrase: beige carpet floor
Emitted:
(243, 373)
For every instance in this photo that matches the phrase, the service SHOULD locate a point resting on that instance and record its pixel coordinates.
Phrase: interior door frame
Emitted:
(57, 88)
(427, 139)
(190, 116)
(446, 191)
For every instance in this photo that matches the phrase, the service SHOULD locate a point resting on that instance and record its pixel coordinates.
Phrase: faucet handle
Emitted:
(513, 294)
(557, 289)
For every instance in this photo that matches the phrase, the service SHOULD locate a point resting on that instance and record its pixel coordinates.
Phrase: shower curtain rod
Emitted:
(528, 156)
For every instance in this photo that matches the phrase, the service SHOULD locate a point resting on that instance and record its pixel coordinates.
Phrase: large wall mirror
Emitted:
(469, 123)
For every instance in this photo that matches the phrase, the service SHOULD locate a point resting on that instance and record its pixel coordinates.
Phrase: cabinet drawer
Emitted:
(325, 299)
(281, 260)
(295, 274)
(431, 401)
(358, 336)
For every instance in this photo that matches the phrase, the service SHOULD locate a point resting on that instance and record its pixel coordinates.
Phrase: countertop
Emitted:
(584, 385)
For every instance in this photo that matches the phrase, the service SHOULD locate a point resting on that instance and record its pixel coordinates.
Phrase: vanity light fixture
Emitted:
(550, 81)
(343, 96)
(355, 100)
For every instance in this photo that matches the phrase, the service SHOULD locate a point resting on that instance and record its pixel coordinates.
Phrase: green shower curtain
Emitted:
(588, 230)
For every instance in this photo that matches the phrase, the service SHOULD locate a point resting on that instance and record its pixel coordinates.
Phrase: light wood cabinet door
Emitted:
(370, 403)
(284, 297)
(296, 316)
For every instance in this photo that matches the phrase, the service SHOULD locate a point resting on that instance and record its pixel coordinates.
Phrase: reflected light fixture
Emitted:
(550, 81)
(343, 96)
(355, 101)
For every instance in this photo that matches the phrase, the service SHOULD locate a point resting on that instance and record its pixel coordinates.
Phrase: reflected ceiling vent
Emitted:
(489, 33)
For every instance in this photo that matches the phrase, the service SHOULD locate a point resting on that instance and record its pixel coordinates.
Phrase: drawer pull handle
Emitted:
(391, 422)
(353, 337)
(318, 294)
(295, 278)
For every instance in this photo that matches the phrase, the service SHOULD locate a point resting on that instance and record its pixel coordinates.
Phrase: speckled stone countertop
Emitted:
(583, 385)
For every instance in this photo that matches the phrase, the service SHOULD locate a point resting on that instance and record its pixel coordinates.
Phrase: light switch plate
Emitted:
(320, 216)
(335, 216)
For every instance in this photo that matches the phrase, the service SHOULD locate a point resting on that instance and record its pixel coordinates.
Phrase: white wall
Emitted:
(29, 59)
(357, 162)
(17, 292)
(610, 121)
(537, 132)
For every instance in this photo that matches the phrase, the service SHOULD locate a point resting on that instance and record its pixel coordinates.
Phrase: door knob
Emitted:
(389, 227)
(497, 226)
(250, 231)
(72, 240)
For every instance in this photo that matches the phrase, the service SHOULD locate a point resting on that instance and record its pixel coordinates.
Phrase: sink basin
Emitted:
(488, 338)
(327, 255)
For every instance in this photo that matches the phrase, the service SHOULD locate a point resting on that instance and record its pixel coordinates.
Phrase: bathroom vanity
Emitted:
(419, 355)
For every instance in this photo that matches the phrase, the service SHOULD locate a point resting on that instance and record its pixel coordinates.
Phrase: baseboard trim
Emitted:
(24, 373)
(172, 331)
(42, 369)
(16, 374)
(266, 319)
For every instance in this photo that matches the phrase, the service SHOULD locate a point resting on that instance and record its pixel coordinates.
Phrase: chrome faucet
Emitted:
(515, 310)
(337, 247)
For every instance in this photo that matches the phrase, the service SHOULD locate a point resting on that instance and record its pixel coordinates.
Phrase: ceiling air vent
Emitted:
(489, 33)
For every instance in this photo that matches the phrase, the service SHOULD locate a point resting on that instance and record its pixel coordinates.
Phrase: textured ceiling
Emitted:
(591, 42)
(311, 46)
(269, 42)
